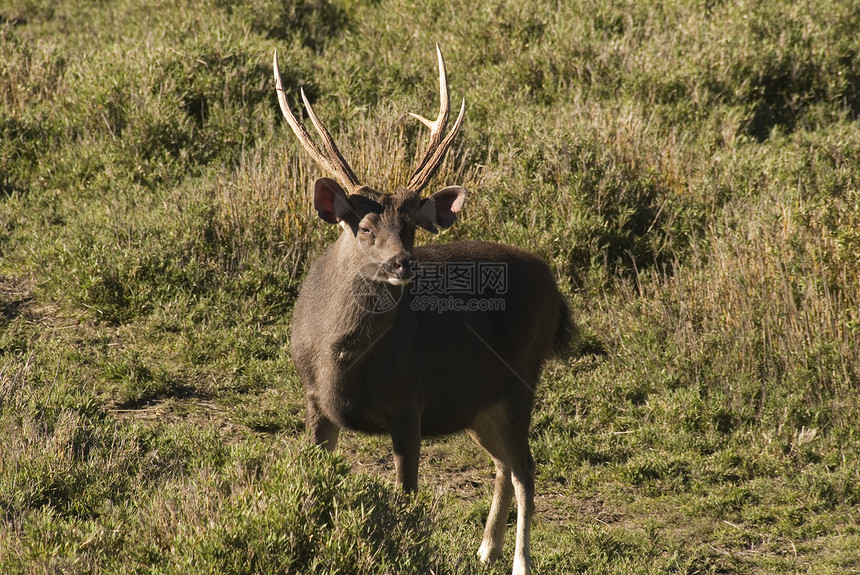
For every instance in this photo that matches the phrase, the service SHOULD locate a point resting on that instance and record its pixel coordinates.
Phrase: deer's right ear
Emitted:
(330, 201)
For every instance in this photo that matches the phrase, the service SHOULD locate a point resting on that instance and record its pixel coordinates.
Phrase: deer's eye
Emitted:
(365, 230)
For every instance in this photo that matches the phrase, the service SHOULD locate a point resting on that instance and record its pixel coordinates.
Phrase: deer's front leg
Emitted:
(406, 438)
(325, 431)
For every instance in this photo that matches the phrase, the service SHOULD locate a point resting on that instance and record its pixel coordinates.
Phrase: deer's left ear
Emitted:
(440, 209)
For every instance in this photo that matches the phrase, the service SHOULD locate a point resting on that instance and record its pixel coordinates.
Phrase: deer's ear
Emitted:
(330, 201)
(441, 208)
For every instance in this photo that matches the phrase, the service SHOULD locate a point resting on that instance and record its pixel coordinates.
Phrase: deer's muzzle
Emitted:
(399, 269)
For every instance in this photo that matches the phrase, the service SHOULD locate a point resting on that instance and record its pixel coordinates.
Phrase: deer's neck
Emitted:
(367, 308)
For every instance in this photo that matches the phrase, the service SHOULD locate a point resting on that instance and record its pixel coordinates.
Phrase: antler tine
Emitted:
(428, 167)
(332, 160)
(438, 144)
(438, 127)
(329, 144)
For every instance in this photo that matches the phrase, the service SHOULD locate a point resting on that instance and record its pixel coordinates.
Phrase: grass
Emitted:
(689, 170)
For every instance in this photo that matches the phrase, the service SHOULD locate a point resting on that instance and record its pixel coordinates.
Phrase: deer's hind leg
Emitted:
(489, 431)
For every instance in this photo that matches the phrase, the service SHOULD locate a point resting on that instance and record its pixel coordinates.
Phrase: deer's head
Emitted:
(380, 228)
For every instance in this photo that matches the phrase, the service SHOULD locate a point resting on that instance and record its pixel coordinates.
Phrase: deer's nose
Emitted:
(401, 265)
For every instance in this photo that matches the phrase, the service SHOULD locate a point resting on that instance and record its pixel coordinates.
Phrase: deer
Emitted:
(406, 368)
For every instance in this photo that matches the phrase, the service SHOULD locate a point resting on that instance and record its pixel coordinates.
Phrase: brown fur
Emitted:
(413, 373)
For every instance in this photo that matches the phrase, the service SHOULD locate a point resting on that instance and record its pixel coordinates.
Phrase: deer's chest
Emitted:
(362, 391)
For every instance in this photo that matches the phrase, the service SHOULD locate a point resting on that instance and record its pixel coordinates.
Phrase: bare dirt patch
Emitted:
(16, 298)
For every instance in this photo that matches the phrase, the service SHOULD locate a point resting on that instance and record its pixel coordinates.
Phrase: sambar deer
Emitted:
(378, 354)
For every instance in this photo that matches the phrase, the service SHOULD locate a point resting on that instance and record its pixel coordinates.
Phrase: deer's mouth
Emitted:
(390, 273)
(398, 276)
(399, 269)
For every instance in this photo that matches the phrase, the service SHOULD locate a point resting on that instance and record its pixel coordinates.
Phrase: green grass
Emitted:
(690, 171)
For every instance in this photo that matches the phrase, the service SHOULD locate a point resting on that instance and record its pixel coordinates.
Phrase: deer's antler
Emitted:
(331, 160)
(439, 142)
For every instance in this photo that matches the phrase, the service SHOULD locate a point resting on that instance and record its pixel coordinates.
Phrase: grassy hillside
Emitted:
(690, 170)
